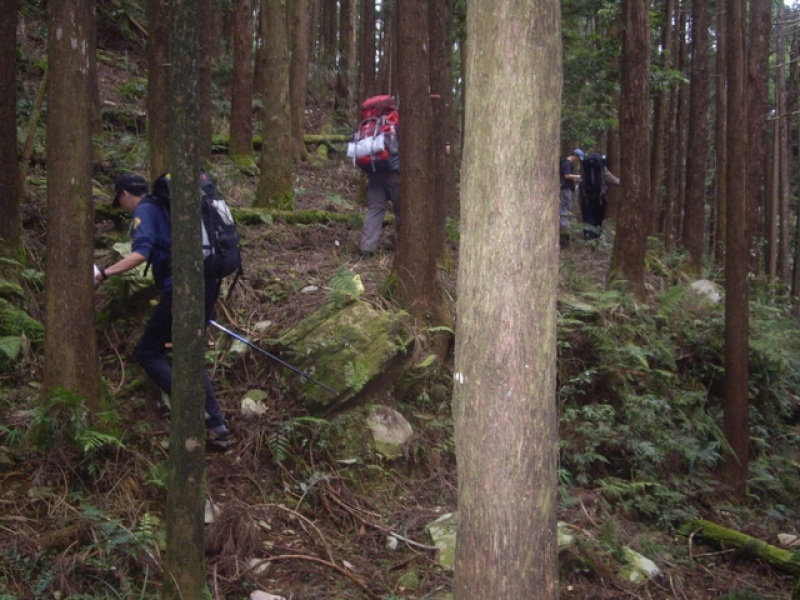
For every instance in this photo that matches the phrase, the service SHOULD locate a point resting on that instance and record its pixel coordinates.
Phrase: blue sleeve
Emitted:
(566, 168)
(144, 230)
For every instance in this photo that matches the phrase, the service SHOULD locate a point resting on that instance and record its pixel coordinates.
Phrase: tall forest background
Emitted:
(678, 354)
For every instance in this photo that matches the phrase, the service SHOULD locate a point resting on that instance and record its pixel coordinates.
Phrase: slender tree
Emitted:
(10, 188)
(347, 56)
(298, 74)
(275, 182)
(784, 166)
(368, 49)
(660, 110)
(158, 72)
(506, 347)
(70, 352)
(695, 210)
(757, 111)
(184, 569)
(735, 403)
(241, 148)
(720, 137)
(627, 260)
(209, 48)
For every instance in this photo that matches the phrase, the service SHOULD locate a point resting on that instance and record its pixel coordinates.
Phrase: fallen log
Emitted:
(785, 560)
(221, 142)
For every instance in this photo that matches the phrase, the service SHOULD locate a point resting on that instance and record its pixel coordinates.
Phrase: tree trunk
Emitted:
(329, 30)
(347, 57)
(158, 74)
(241, 150)
(275, 183)
(70, 351)
(418, 288)
(209, 49)
(441, 45)
(368, 49)
(783, 152)
(184, 568)
(721, 136)
(298, 75)
(508, 275)
(695, 208)
(627, 260)
(10, 185)
(681, 123)
(660, 111)
(758, 109)
(735, 403)
(771, 221)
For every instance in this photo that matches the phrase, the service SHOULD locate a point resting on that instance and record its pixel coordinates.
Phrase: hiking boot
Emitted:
(219, 438)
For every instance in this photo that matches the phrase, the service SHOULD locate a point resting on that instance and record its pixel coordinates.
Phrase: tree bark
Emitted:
(158, 75)
(735, 403)
(418, 288)
(10, 185)
(209, 49)
(695, 209)
(758, 109)
(783, 152)
(627, 260)
(720, 135)
(506, 348)
(298, 75)
(771, 220)
(275, 183)
(241, 150)
(368, 49)
(184, 569)
(71, 357)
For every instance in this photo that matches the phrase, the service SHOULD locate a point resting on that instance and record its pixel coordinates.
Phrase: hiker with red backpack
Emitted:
(595, 178)
(375, 150)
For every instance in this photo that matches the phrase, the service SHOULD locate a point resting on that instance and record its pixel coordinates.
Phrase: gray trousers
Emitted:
(382, 187)
(565, 208)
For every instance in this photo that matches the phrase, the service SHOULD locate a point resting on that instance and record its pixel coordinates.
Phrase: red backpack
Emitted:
(374, 146)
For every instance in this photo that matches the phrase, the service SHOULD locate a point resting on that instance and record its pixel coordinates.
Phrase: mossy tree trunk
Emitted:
(735, 404)
(158, 73)
(241, 149)
(10, 187)
(298, 74)
(275, 183)
(627, 259)
(70, 352)
(184, 572)
(417, 285)
(504, 409)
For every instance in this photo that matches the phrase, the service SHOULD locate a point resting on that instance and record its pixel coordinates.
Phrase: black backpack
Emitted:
(593, 177)
(220, 239)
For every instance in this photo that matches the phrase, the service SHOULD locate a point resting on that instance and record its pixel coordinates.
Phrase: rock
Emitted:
(344, 348)
(443, 535)
(707, 291)
(637, 568)
(262, 326)
(789, 540)
(259, 567)
(390, 430)
(258, 595)
(565, 538)
(391, 543)
(309, 289)
(210, 513)
(253, 403)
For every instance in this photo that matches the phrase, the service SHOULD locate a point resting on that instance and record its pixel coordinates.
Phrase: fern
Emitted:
(345, 287)
(11, 346)
(355, 375)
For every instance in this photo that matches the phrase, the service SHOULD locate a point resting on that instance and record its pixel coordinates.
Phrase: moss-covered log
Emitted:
(261, 216)
(221, 142)
(785, 560)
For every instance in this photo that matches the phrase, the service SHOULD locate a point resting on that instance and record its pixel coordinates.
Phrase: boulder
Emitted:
(390, 431)
(253, 403)
(637, 568)
(443, 535)
(706, 291)
(343, 347)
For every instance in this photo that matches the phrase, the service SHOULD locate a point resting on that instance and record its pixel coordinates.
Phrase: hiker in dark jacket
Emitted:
(594, 194)
(152, 242)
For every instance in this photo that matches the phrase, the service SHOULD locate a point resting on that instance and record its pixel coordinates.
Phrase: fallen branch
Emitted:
(785, 560)
(331, 565)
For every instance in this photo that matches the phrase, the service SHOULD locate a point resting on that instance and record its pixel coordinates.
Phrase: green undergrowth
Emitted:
(640, 400)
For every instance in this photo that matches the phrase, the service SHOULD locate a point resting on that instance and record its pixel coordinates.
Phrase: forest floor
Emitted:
(60, 509)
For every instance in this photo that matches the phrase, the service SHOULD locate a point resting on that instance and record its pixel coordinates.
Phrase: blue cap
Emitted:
(578, 152)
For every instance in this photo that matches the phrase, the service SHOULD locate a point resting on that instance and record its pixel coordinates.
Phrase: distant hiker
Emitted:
(595, 178)
(375, 150)
(152, 242)
(569, 176)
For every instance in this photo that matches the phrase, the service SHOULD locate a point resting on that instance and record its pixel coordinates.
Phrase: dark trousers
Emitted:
(593, 211)
(151, 351)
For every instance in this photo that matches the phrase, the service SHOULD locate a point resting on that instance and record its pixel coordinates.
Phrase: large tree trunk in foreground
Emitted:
(504, 409)
(184, 569)
(70, 349)
(627, 260)
(735, 404)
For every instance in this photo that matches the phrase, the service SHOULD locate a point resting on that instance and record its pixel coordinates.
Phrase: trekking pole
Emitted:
(272, 356)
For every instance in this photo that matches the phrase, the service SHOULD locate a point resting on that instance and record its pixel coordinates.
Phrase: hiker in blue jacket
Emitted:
(152, 242)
